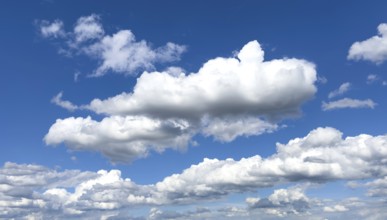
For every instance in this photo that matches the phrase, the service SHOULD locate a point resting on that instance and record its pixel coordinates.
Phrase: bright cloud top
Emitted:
(119, 52)
(373, 49)
(247, 85)
(322, 155)
(226, 98)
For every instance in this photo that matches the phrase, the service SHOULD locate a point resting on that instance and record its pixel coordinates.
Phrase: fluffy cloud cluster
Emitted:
(377, 188)
(226, 98)
(373, 49)
(321, 156)
(21, 185)
(119, 52)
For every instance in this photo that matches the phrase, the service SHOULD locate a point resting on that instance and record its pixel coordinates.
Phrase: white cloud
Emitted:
(373, 49)
(53, 29)
(348, 103)
(371, 78)
(378, 187)
(119, 52)
(336, 208)
(227, 98)
(248, 85)
(76, 76)
(322, 79)
(88, 28)
(283, 202)
(321, 156)
(340, 91)
(227, 129)
(122, 139)
(288, 195)
(57, 100)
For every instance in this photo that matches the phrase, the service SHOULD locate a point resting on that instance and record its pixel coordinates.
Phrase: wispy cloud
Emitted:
(57, 100)
(341, 90)
(51, 29)
(120, 52)
(371, 78)
(348, 103)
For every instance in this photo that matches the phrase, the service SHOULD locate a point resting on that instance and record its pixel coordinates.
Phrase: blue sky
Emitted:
(193, 110)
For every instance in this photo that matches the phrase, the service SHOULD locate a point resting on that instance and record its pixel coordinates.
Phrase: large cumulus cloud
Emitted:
(226, 98)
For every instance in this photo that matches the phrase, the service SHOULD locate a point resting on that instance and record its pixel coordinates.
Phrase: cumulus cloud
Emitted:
(378, 187)
(373, 49)
(348, 103)
(283, 202)
(341, 90)
(227, 129)
(53, 29)
(321, 156)
(247, 85)
(118, 52)
(20, 185)
(122, 139)
(57, 100)
(226, 98)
